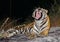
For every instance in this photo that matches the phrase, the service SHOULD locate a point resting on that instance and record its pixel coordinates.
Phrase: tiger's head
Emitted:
(37, 14)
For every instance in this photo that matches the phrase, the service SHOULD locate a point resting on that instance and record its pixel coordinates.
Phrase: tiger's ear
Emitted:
(46, 11)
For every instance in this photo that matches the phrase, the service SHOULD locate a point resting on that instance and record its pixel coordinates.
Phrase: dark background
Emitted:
(21, 8)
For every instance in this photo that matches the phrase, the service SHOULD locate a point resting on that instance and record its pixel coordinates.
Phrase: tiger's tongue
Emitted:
(38, 15)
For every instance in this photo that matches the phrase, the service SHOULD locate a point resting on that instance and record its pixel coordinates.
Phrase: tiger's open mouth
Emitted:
(38, 14)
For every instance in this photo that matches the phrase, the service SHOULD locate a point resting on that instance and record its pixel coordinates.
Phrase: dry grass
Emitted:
(55, 15)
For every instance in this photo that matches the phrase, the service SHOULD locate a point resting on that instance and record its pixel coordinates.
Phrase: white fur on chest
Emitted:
(38, 23)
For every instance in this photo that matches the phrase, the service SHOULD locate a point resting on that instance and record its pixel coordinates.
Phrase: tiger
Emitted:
(39, 27)
(42, 21)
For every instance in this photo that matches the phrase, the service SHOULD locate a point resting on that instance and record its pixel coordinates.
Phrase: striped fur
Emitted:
(40, 27)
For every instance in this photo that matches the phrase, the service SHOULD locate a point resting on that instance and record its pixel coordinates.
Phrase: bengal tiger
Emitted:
(39, 27)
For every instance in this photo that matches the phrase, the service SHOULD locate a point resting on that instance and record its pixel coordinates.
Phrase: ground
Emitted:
(54, 36)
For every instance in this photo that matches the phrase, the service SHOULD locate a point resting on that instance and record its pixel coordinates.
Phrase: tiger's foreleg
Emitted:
(45, 32)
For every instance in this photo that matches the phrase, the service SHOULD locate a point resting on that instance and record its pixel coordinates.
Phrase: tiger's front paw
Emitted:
(5, 34)
(32, 36)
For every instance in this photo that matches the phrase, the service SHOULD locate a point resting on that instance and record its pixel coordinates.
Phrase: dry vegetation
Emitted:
(55, 14)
